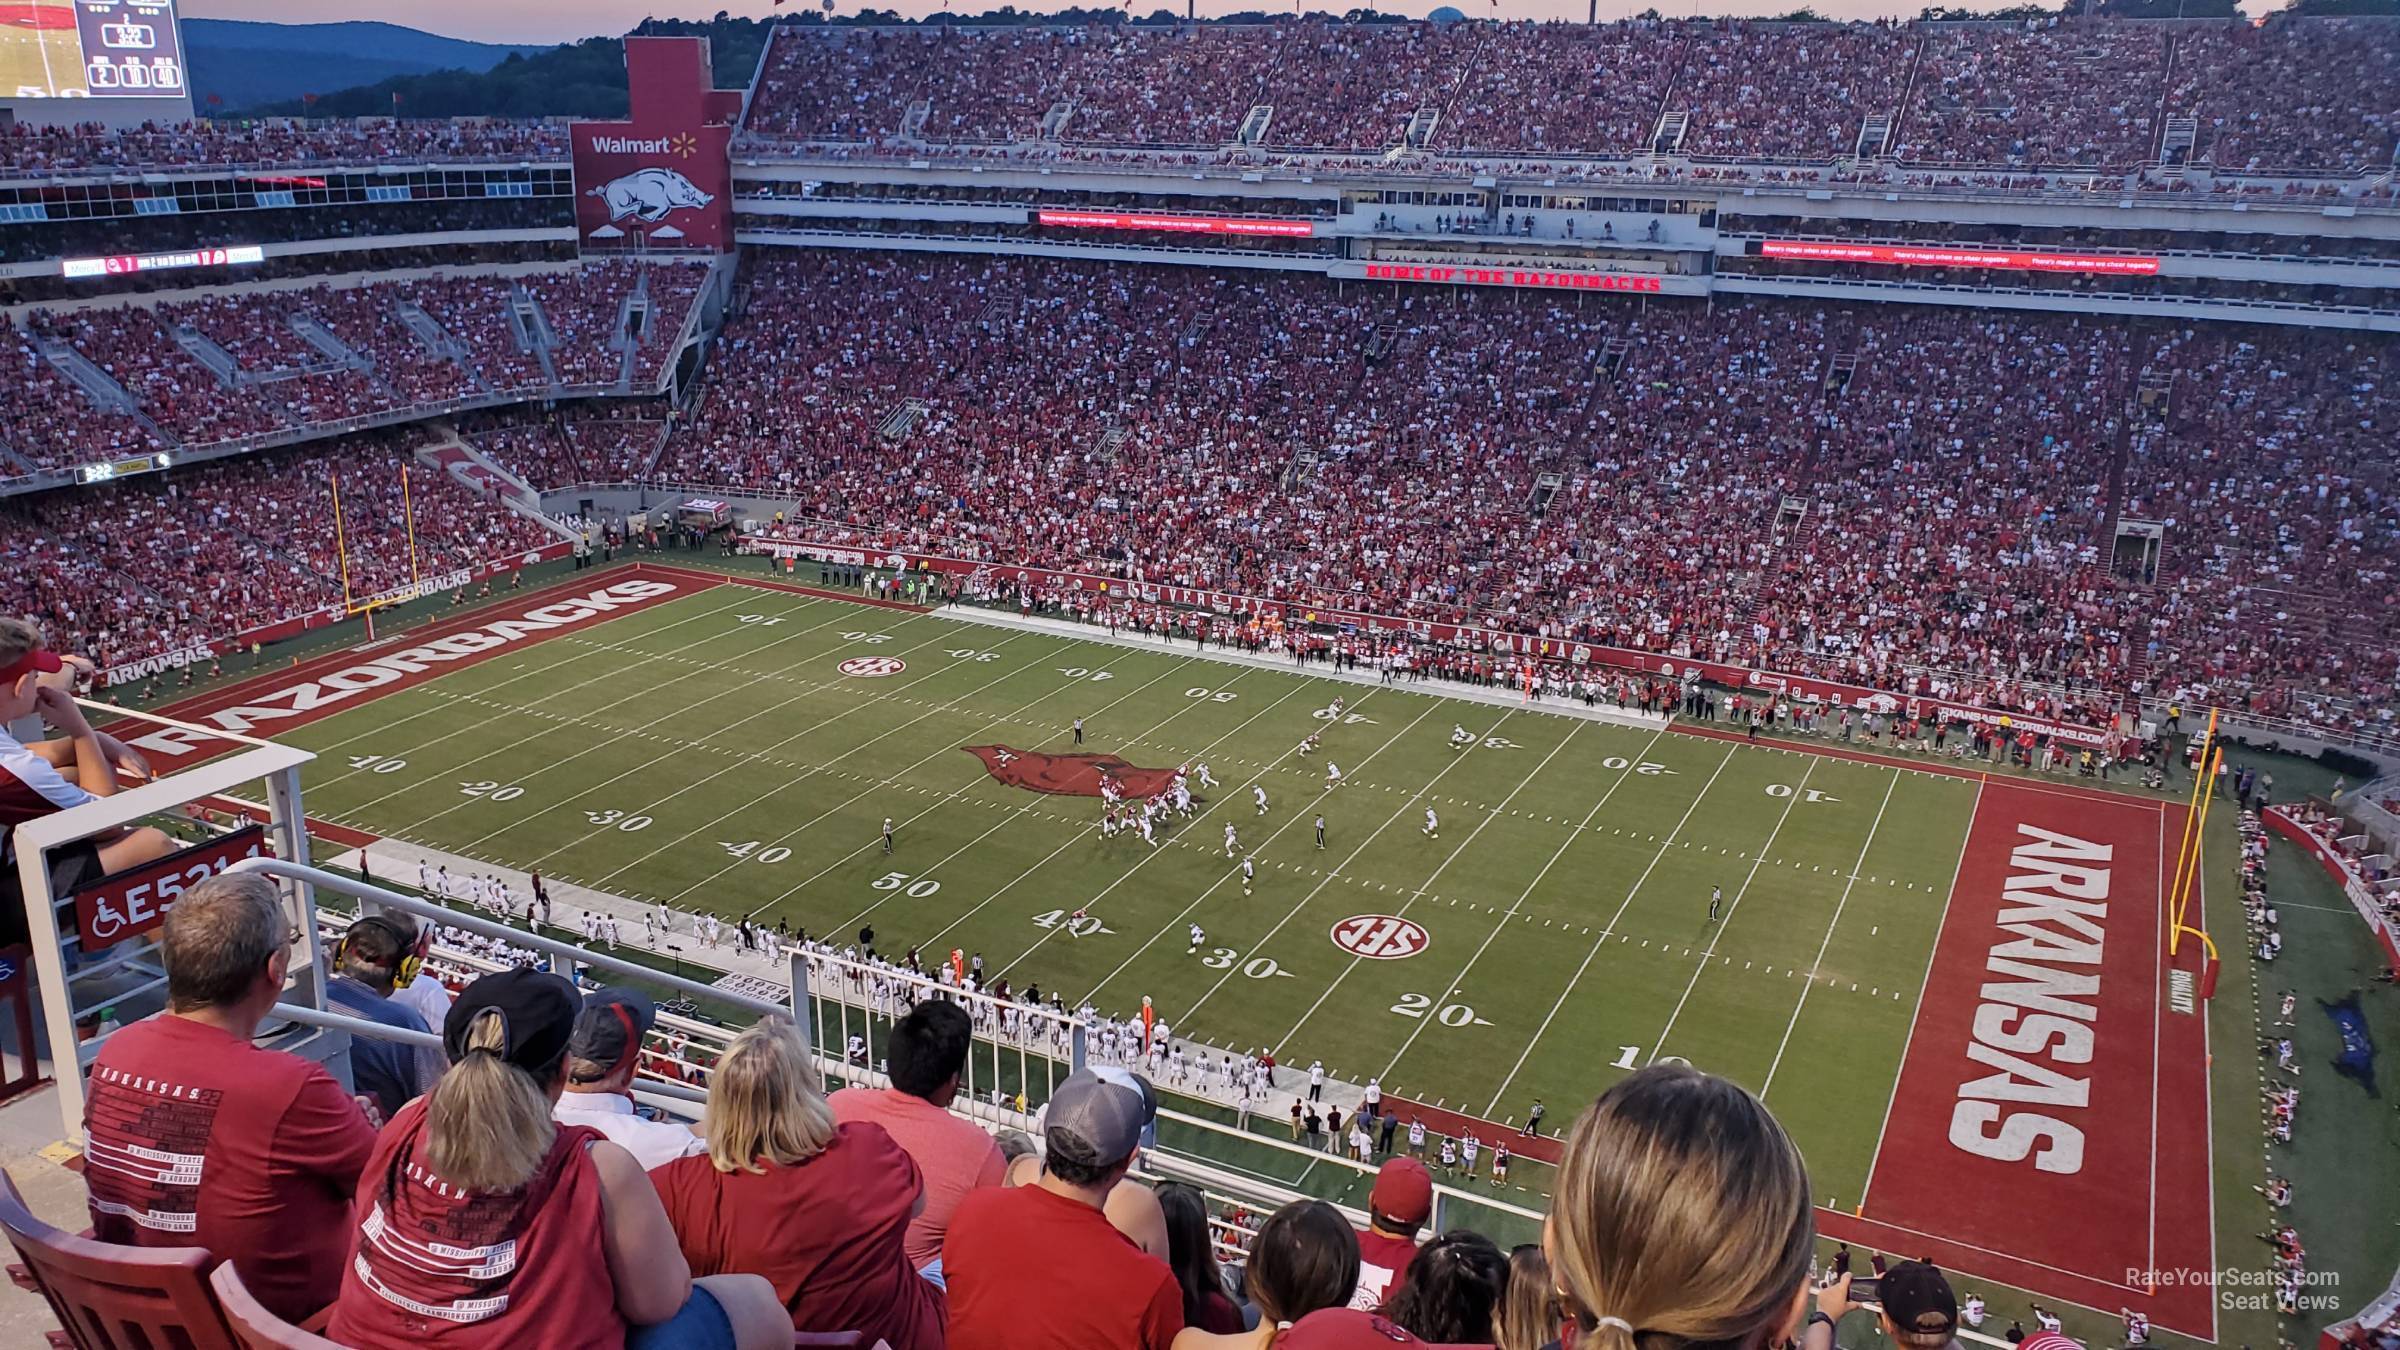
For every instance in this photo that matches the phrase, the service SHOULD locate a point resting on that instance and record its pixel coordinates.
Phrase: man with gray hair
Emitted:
(199, 1138)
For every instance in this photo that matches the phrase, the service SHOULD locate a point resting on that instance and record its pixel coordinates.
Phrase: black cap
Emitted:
(1918, 1299)
(609, 1030)
(537, 1013)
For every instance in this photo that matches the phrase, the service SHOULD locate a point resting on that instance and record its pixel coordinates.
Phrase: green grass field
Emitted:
(707, 753)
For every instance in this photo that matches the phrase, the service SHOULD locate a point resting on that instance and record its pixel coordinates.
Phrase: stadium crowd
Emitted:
(505, 1186)
(168, 561)
(1608, 474)
(2088, 93)
(26, 148)
(282, 381)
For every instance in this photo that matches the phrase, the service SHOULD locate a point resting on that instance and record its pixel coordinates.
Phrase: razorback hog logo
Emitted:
(649, 193)
(1068, 775)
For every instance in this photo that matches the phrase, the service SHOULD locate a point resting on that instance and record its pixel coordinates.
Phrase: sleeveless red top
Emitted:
(431, 1264)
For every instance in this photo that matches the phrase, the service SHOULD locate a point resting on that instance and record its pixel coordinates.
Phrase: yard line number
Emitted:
(1448, 1014)
(1257, 967)
(618, 820)
(749, 850)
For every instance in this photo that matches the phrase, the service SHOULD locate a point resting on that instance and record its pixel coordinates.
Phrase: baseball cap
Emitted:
(2050, 1340)
(537, 1014)
(1917, 1298)
(1101, 1114)
(21, 643)
(610, 1028)
(1403, 1191)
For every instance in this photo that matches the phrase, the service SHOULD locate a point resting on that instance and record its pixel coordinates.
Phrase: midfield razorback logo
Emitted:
(1068, 775)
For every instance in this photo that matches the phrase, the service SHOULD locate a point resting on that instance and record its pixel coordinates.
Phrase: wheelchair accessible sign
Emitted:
(129, 904)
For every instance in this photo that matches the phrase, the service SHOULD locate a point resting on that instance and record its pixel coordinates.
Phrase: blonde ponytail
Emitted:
(1681, 1217)
(487, 1123)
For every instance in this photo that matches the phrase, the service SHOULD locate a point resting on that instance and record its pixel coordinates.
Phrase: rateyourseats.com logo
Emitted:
(2289, 1291)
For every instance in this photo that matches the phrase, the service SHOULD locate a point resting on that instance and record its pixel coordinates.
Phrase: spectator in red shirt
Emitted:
(48, 776)
(1039, 1267)
(482, 1223)
(928, 1052)
(1396, 1209)
(201, 1139)
(1733, 1269)
(818, 1207)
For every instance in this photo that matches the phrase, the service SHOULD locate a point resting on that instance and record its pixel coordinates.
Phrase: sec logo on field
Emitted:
(873, 667)
(1380, 937)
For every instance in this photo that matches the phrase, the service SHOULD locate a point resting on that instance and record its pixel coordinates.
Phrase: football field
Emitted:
(1948, 986)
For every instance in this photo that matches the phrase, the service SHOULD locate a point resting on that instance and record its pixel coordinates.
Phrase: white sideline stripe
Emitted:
(571, 655)
(1419, 891)
(1827, 944)
(1084, 833)
(1892, 1098)
(1610, 927)
(1459, 980)
(1185, 914)
(601, 744)
(1799, 790)
(1376, 833)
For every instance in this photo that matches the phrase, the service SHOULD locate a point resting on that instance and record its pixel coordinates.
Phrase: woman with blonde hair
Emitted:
(1681, 1218)
(1529, 1315)
(483, 1223)
(819, 1208)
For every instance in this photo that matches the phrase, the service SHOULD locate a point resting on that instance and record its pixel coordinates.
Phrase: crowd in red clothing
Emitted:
(283, 381)
(515, 1189)
(170, 560)
(2087, 93)
(1905, 497)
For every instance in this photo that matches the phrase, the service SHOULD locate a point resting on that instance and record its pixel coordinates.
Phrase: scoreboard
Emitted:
(90, 49)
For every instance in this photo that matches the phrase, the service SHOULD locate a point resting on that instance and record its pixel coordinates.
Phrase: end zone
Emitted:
(2050, 1122)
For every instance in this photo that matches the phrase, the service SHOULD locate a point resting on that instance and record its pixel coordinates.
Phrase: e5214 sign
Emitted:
(132, 903)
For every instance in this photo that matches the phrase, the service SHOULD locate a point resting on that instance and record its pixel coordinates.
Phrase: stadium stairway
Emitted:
(99, 386)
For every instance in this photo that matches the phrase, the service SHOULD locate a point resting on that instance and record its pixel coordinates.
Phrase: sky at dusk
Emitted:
(554, 21)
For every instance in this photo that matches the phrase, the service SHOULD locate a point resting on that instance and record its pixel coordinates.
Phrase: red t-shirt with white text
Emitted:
(201, 1139)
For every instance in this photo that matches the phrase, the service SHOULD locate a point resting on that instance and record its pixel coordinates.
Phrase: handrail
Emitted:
(425, 909)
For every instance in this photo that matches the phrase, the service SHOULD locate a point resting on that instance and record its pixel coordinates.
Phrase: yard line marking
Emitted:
(1460, 979)
(1922, 984)
(819, 725)
(1827, 944)
(1309, 898)
(1079, 836)
(560, 640)
(1018, 814)
(1799, 791)
(559, 724)
(583, 793)
(1337, 981)
(1605, 931)
(1185, 914)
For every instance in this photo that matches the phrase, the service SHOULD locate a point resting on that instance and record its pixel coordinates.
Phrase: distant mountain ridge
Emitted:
(246, 64)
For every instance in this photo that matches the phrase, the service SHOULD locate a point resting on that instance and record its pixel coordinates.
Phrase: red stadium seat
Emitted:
(115, 1298)
(257, 1328)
